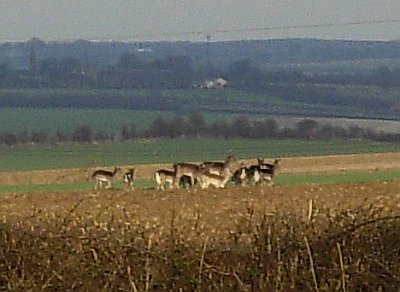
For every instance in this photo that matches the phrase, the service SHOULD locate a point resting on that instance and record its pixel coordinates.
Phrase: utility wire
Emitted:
(287, 27)
(209, 33)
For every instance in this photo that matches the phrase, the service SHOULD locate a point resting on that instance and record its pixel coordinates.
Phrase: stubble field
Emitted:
(340, 236)
(378, 162)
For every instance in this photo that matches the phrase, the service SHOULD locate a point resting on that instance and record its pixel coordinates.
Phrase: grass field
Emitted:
(350, 177)
(52, 120)
(64, 109)
(283, 180)
(49, 121)
(330, 230)
(56, 113)
(111, 121)
(25, 158)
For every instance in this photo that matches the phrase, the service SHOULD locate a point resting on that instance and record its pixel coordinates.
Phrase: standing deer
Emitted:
(265, 165)
(129, 178)
(186, 169)
(218, 167)
(164, 177)
(207, 179)
(241, 175)
(104, 176)
(264, 173)
(256, 174)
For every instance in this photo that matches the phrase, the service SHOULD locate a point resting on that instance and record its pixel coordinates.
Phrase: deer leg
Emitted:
(108, 184)
(176, 181)
(269, 179)
(160, 185)
(192, 180)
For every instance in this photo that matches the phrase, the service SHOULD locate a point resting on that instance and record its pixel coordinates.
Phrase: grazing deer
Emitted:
(218, 167)
(129, 177)
(186, 169)
(104, 176)
(207, 179)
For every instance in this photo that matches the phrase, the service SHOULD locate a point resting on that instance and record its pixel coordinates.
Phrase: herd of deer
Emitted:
(206, 174)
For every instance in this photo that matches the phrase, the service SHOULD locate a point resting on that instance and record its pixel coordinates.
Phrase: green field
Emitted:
(110, 121)
(17, 120)
(23, 158)
(349, 177)
(284, 179)
(50, 110)
(65, 187)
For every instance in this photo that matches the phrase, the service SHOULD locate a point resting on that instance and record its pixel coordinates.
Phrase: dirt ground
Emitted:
(213, 204)
(327, 164)
(213, 210)
(95, 220)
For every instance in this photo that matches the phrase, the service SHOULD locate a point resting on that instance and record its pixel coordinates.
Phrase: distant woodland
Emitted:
(255, 65)
(335, 77)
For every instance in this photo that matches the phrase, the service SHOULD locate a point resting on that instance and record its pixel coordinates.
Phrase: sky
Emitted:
(193, 20)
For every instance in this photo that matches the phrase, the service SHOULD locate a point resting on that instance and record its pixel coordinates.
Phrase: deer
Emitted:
(185, 181)
(262, 173)
(256, 174)
(186, 169)
(207, 179)
(218, 167)
(129, 178)
(164, 177)
(240, 176)
(265, 165)
(104, 176)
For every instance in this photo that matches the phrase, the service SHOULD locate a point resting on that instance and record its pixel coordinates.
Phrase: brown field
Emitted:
(219, 208)
(326, 164)
(342, 237)
(150, 204)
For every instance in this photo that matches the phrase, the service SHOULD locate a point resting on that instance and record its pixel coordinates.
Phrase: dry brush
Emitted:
(219, 240)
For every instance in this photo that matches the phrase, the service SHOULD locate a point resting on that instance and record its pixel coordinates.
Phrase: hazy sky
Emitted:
(169, 19)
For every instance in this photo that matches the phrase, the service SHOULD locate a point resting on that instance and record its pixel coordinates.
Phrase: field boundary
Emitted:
(283, 180)
(290, 165)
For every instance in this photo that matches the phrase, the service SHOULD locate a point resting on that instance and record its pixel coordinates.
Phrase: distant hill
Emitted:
(307, 54)
(297, 77)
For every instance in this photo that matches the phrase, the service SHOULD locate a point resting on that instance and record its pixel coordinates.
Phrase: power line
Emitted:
(269, 28)
(208, 33)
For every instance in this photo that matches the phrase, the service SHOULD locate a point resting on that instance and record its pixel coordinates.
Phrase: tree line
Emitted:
(174, 71)
(195, 126)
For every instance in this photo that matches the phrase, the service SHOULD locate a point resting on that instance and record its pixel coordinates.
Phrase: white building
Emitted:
(215, 83)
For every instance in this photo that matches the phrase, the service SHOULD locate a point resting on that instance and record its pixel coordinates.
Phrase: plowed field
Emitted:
(219, 208)
(218, 236)
(211, 203)
(215, 205)
(296, 165)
